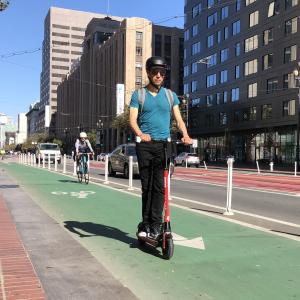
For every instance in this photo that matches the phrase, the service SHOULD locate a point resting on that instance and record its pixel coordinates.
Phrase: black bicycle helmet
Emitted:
(156, 61)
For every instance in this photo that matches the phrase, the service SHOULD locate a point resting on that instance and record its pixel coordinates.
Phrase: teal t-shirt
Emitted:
(155, 117)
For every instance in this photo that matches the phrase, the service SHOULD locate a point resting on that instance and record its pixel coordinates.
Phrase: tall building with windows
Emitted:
(64, 32)
(239, 58)
(110, 69)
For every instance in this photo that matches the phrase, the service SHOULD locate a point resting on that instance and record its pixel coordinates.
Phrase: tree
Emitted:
(121, 121)
(92, 138)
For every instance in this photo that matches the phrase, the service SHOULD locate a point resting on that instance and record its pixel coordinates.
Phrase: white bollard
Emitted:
(75, 167)
(55, 163)
(44, 161)
(130, 188)
(64, 164)
(257, 165)
(39, 160)
(31, 159)
(271, 166)
(186, 163)
(205, 165)
(34, 160)
(106, 170)
(49, 162)
(296, 164)
(228, 211)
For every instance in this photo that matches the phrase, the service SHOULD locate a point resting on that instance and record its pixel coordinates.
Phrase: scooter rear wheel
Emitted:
(168, 251)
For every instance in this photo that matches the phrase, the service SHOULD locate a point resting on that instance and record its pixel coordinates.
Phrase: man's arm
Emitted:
(185, 139)
(90, 146)
(133, 116)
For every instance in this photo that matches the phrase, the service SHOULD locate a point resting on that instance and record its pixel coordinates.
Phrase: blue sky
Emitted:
(21, 29)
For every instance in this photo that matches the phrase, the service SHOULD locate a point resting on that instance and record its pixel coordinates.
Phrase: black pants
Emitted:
(151, 159)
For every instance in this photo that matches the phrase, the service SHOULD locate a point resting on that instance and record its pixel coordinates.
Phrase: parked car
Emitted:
(101, 157)
(118, 160)
(46, 149)
(189, 159)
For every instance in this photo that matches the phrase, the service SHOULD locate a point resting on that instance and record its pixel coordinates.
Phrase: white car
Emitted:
(48, 150)
(189, 159)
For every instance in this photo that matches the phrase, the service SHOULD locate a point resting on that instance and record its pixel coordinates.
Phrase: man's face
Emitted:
(82, 139)
(157, 75)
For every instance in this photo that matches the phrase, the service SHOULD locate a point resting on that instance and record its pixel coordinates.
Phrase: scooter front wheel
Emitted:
(168, 251)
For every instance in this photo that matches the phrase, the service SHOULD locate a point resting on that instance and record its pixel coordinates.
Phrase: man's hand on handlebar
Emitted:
(187, 140)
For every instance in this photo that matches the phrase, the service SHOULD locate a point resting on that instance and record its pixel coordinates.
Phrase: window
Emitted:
(194, 85)
(60, 26)
(238, 5)
(268, 36)
(79, 37)
(236, 116)
(212, 20)
(225, 97)
(194, 67)
(211, 80)
(76, 45)
(290, 53)
(236, 27)
(288, 81)
(218, 98)
(212, 60)
(60, 34)
(60, 59)
(138, 80)
(267, 61)
(76, 52)
(252, 90)
(226, 33)
(138, 67)
(210, 3)
(222, 118)
(195, 30)
(248, 2)
(224, 54)
(158, 44)
(78, 29)
(223, 76)
(271, 10)
(196, 10)
(272, 85)
(209, 100)
(196, 48)
(186, 88)
(60, 51)
(209, 120)
(186, 71)
(210, 41)
(249, 114)
(61, 43)
(253, 18)
(237, 49)
(139, 51)
(235, 94)
(139, 36)
(186, 35)
(60, 67)
(289, 108)
(250, 67)
(290, 3)
(291, 26)
(219, 36)
(266, 111)
(237, 72)
(224, 12)
(251, 43)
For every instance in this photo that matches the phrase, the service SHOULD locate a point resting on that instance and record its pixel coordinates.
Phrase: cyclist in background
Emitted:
(82, 145)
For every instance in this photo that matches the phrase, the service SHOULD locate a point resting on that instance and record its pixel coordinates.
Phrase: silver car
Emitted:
(188, 159)
(118, 160)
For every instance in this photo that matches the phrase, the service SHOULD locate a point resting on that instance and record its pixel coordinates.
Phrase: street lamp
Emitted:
(297, 77)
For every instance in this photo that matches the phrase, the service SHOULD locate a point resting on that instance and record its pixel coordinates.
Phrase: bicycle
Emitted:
(83, 168)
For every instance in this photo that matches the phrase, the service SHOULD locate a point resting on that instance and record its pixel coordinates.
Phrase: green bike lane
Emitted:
(238, 262)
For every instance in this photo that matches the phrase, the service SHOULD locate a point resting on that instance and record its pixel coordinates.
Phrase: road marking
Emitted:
(80, 195)
(197, 242)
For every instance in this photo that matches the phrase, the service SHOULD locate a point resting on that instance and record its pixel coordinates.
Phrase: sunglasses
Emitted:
(155, 71)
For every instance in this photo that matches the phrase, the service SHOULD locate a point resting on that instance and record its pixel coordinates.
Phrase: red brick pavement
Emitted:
(18, 279)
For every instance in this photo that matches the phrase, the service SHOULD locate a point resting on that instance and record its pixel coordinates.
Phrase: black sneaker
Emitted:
(143, 230)
(155, 231)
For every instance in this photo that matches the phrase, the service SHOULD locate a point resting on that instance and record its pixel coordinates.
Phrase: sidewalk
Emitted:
(96, 255)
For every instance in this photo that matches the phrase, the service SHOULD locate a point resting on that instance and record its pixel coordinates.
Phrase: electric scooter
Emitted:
(165, 241)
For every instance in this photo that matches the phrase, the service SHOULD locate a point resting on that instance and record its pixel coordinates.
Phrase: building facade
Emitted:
(21, 134)
(238, 75)
(64, 32)
(110, 69)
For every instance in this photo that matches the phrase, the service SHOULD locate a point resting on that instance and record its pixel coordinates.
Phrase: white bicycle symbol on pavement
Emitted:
(80, 195)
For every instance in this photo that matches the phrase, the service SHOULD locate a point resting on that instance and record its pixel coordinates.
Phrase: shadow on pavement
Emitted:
(68, 181)
(92, 229)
